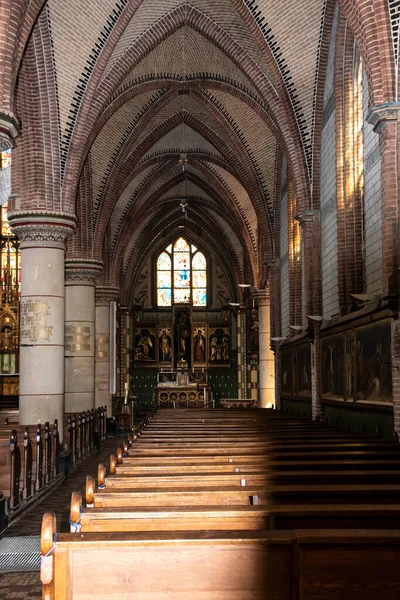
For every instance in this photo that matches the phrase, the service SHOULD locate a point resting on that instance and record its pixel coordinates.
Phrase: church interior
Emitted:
(199, 265)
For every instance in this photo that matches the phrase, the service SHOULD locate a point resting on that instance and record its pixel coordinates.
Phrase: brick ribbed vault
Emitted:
(109, 101)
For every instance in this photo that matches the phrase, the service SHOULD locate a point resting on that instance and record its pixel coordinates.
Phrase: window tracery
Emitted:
(181, 275)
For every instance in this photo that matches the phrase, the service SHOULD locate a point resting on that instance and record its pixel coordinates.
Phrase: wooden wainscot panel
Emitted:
(332, 366)
(373, 362)
(145, 346)
(303, 361)
(288, 366)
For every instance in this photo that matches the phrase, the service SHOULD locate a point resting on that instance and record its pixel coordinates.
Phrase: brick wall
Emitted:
(372, 203)
(284, 262)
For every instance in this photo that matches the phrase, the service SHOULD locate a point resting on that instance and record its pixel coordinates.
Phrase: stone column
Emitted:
(311, 293)
(266, 356)
(104, 295)
(43, 237)
(80, 278)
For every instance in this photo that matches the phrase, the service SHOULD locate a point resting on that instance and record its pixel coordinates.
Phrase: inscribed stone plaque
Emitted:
(78, 339)
(35, 321)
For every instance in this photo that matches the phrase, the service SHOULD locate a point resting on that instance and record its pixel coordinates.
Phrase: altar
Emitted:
(184, 389)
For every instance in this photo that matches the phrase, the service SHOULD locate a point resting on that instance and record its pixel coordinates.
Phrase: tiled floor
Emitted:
(22, 586)
(26, 586)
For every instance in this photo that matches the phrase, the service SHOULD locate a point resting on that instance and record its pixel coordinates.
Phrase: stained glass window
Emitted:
(181, 275)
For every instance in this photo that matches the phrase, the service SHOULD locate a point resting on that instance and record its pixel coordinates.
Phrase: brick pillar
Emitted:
(43, 237)
(310, 264)
(385, 120)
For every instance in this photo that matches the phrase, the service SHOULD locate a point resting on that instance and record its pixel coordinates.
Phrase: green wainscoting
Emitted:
(224, 381)
(144, 384)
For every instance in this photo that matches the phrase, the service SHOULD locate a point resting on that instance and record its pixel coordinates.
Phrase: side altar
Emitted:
(184, 389)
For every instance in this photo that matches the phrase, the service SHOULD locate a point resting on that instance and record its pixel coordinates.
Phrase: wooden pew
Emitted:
(216, 517)
(223, 565)
(202, 494)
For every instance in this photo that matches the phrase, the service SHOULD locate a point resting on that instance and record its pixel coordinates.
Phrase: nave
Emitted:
(232, 504)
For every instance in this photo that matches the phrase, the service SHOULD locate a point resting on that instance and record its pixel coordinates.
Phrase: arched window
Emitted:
(181, 275)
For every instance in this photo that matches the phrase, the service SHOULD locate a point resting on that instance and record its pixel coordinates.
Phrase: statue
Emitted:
(199, 348)
(183, 336)
(165, 346)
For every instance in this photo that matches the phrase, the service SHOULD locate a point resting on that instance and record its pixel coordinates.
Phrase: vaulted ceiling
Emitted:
(230, 84)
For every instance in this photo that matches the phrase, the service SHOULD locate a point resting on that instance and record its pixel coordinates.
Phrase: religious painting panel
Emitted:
(373, 362)
(288, 365)
(332, 366)
(199, 345)
(219, 346)
(145, 346)
(165, 345)
(303, 358)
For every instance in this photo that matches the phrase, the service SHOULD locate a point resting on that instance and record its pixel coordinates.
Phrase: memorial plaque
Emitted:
(78, 338)
(34, 321)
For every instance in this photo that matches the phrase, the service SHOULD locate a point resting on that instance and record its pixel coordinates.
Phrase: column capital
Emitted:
(307, 216)
(82, 270)
(106, 294)
(40, 229)
(9, 129)
(381, 114)
(262, 297)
